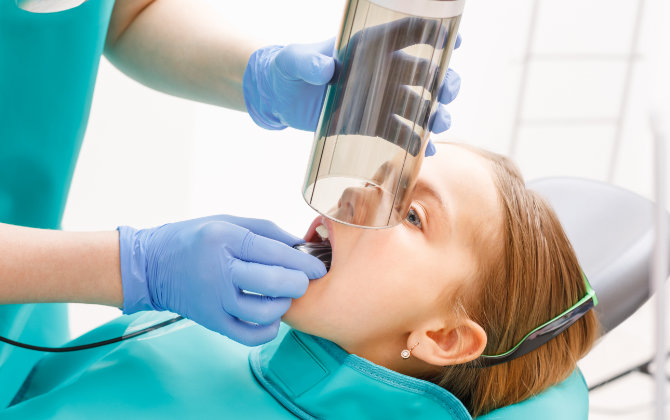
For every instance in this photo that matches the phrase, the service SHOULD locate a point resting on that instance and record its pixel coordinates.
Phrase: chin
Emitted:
(307, 312)
(294, 319)
(310, 313)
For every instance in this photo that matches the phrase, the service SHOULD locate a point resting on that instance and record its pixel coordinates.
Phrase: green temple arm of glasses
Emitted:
(546, 331)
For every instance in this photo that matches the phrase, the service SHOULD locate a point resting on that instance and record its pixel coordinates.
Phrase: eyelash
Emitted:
(412, 211)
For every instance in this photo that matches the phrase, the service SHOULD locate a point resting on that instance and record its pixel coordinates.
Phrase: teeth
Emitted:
(322, 231)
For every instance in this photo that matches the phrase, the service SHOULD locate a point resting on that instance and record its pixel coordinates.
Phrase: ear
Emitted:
(455, 345)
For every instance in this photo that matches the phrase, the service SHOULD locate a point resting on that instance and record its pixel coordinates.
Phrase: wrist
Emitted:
(256, 87)
(136, 296)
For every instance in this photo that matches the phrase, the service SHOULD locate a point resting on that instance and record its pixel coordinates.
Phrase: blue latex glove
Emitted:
(202, 269)
(285, 86)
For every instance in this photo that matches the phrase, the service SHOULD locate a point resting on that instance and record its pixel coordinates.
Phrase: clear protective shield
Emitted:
(374, 125)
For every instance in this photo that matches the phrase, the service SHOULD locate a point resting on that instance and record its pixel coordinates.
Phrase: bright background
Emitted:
(149, 158)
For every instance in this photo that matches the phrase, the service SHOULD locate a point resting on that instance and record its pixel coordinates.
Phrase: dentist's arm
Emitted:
(233, 275)
(187, 48)
(181, 47)
(38, 265)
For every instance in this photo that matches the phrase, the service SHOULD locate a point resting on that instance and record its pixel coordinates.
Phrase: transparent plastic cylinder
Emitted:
(374, 126)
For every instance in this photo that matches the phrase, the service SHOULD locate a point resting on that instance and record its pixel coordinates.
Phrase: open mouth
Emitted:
(318, 231)
(317, 242)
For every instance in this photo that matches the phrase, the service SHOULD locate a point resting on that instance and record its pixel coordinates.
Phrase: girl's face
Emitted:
(385, 283)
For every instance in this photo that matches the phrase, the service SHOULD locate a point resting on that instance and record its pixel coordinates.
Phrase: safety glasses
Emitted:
(546, 331)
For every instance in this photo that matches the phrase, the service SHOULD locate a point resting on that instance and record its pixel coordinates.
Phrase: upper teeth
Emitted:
(322, 231)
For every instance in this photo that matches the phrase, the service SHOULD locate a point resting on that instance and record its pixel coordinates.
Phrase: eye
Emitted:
(413, 218)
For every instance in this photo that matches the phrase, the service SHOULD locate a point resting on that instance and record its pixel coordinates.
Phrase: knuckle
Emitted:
(268, 225)
(247, 244)
(212, 232)
(233, 270)
(290, 49)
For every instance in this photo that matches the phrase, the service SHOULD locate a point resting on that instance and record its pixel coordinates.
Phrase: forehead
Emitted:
(465, 181)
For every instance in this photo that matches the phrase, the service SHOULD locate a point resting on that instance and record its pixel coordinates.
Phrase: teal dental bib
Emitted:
(315, 378)
(185, 371)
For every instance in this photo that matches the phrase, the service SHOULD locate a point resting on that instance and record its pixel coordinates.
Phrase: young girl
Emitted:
(398, 327)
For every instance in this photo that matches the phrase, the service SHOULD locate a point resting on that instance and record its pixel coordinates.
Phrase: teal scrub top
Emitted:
(186, 371)
(48, 66)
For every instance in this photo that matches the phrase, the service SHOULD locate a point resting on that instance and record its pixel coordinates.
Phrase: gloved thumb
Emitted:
(312, 63)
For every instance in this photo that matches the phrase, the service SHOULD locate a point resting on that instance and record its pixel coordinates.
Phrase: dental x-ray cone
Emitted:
(392, 56)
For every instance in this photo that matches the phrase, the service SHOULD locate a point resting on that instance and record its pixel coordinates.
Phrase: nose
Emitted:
(360, 205)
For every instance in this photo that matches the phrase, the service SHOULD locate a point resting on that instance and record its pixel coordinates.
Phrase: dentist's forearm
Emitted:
(39, 265)
(181, 47)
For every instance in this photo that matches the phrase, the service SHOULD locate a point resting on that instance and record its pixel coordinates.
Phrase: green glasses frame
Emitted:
(546, 331)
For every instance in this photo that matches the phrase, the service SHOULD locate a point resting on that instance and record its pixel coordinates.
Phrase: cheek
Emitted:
(408, 278)
(385, 277)
(364, 283)
(371, 254)
(381, 282)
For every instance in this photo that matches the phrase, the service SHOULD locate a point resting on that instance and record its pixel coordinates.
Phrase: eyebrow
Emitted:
(423, 188)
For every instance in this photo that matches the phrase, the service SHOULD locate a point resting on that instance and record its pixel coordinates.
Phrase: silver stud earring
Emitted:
(406, 353)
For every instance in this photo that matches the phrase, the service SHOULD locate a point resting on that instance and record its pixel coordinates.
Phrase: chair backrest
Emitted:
(612, 232)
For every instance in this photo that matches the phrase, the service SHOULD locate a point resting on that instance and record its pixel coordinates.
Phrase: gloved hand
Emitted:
(285, 86)
(202, 269)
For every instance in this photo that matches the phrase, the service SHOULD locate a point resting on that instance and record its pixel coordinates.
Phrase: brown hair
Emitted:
(534, 277)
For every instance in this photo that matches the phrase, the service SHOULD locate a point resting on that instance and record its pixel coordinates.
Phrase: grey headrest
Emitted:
(612, 231)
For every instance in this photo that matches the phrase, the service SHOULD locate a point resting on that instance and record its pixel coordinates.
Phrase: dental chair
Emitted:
(612, 232)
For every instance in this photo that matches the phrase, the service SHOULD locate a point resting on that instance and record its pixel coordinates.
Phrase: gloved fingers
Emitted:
(408, 69)
(326, 47)
(265, 251)
(459, 39)
(451, 85)
(440, 121)
(407, 103)
(430, 149)
(268, 280)
(262, 310)
(402, 133)
(245, 332)
(312, 63)
(409, 31)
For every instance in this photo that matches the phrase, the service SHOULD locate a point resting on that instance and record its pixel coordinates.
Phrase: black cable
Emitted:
(92, 345)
